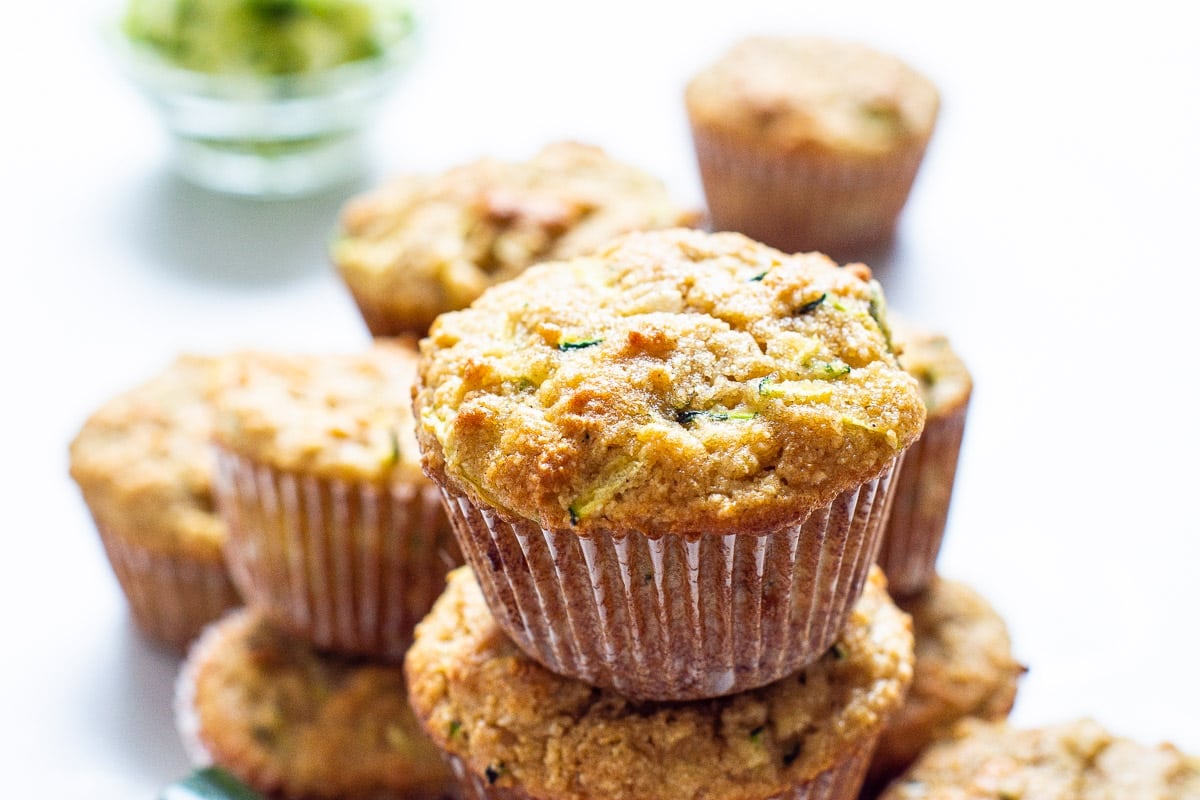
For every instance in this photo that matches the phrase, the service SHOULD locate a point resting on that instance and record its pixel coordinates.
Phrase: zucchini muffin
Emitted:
(669, 462)
(514, 730)
(302, 726)
(964, 668)
(1074, 761)
(913, 537)
(809, 144)
(334, 532)
(424, 244)
(144, 463)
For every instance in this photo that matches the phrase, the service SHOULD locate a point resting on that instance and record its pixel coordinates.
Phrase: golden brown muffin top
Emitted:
(675, 382)
(927, 356)
(421, 245)
(335, 415)
(1074, 761)
(292, 722)
(964, 668)
(803, 93)
(144, 460)
(518, 724)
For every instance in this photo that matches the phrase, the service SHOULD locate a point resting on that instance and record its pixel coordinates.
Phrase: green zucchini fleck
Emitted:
(577, 344)
(574, 515)
(455, 727)
(759, 276)
(811, 305)
(686, 416)
(756, 735)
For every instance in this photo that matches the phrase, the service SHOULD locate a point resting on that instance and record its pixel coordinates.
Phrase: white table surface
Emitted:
(1051, 234)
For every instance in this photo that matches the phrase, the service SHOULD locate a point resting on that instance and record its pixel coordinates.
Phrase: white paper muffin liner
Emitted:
(171, 596)
(840, 782)
(675, 618)
(913, 535)
(351, 567)
(803, 201)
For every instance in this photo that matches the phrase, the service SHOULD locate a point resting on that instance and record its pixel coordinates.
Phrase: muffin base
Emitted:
(171, 596)
(675, 618)
(804, 201)
(913, 536)
(840, 782)
(350, 567)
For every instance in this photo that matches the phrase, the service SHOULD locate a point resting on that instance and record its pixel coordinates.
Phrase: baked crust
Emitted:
(675, 382)
(424, 244)
(341, 416)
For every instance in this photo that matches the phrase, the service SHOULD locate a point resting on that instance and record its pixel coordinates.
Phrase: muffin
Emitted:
(294, 724)
(913, 536)
(144, 463)
(424, 244)
(334, 532)
(964, 668)
(809, 144)
(669, 462)
(514, 730)
(1073, 761)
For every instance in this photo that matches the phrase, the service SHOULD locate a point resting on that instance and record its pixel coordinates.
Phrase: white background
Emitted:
(1051, 234)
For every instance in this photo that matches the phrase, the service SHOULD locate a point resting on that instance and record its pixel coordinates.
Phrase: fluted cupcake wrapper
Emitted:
(800, 201)
(675, 618)
(842, 781)
(912, 538)
(351, 567)
(171, 596)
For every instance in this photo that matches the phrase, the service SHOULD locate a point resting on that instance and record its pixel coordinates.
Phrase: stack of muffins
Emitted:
(670, 460)
(668, 465)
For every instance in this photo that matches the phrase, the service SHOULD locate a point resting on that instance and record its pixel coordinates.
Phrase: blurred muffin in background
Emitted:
(1077, 759)
(808, 143)
(964, 668)
(913, 536)
(144, 464)
(424, 244)
(297, 725)
(335, 534)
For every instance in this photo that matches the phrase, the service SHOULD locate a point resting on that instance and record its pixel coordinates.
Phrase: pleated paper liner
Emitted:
(171, 596)
(842, 781)
(804, 201)
(913, 536)
(349, 566)
(675, 618)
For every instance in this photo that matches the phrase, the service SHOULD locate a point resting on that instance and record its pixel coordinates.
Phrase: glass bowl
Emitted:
(265, 135)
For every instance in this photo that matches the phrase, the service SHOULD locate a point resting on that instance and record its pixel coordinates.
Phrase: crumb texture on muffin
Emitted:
(422, 244)
(143, 460)
(520, 725)
(964, 668)
(296, 724)
(674, 382)
(341, 416)
(1077, 760)
(799, 93)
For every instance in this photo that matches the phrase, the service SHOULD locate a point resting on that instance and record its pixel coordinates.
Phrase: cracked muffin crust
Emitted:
(424, 244)
(520, 728)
